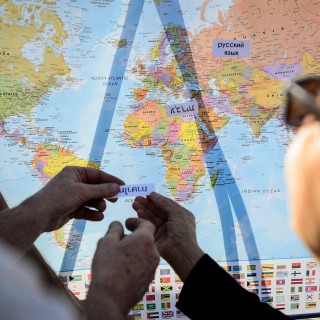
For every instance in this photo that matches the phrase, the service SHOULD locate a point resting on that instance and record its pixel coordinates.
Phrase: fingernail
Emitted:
(155, 195)
(114, 187)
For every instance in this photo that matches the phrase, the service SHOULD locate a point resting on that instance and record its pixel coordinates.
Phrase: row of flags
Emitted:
(290, 286)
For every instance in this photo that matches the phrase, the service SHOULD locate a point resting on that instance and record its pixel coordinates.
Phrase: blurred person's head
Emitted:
(302, 171)
(302, 161)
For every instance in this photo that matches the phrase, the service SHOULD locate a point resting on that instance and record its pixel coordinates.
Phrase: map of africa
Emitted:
(89, 83)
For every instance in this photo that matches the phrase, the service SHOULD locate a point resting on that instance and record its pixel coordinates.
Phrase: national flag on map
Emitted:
(294, 306)
(151, 306)
(297, 281)
(309, 296)
(152, 288)
(282, 274)
(310, 305)
(279, 290)
(77, 277)
(74, 286)
(165, 305)
(281, 266)
(295, 297)
(238, 276)
(251, 274)
(241, 282)
(236, 268)
(165, 280)
(280, 282)
(280, 306)
(267, 299)
(138, 307)
(164, 271)
(177, 296)
(267, 266)
(280, 298)
(311, 264)
(296, 265)
(310, 273)
(180, 314)
(166, 288)
(150, 297)
(251, 267)
(295, 273)
(310, 281)
(265, 283)
(165, 296)
(89, 276)
(253, 283)
(255, 291)
(63, 278)
(265, 290)
(227, 268)
(177, 279)
(179, 287)
(311, 288)
(167, 314)
(267, 274)
(296, 289)
(76, 293)
(152, 315)
(137, 316)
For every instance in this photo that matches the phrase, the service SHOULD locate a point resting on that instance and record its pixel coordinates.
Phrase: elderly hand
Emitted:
(122, 269)
(75, 192)
(176, 231)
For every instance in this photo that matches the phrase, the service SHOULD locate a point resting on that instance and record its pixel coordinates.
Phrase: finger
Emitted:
(131, 223)
(98, 204)
(147, 208)
(144, 213)
(89, 214)
(112, 200)
(96, 191)
(167, 205)
(138, 225)
(97, 176)
(115, 231)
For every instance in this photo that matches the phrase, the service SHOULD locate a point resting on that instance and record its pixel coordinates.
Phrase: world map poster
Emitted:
(183, 95)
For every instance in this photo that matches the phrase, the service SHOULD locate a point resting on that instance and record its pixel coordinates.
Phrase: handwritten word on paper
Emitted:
(133, 190)
(231, 48)
(178, 109)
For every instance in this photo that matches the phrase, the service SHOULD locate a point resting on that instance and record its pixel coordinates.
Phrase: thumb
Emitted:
(102, 190)
(138, 225)
(115, 231)
(166, 204)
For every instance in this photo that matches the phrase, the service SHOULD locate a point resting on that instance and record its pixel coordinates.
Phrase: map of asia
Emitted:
(183, 95)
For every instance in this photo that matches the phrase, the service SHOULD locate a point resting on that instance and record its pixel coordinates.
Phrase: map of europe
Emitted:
(90, 83)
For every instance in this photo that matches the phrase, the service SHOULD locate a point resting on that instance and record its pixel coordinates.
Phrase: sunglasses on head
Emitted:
(300, 100)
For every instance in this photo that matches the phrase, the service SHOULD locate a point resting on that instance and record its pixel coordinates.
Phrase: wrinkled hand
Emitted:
(75, 192)
(176, 231)
(122, 269)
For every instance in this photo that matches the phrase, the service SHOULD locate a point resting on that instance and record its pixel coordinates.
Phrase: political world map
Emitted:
(184, 95)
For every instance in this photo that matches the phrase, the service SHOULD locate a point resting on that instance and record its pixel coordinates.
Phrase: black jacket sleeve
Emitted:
(209, 290)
